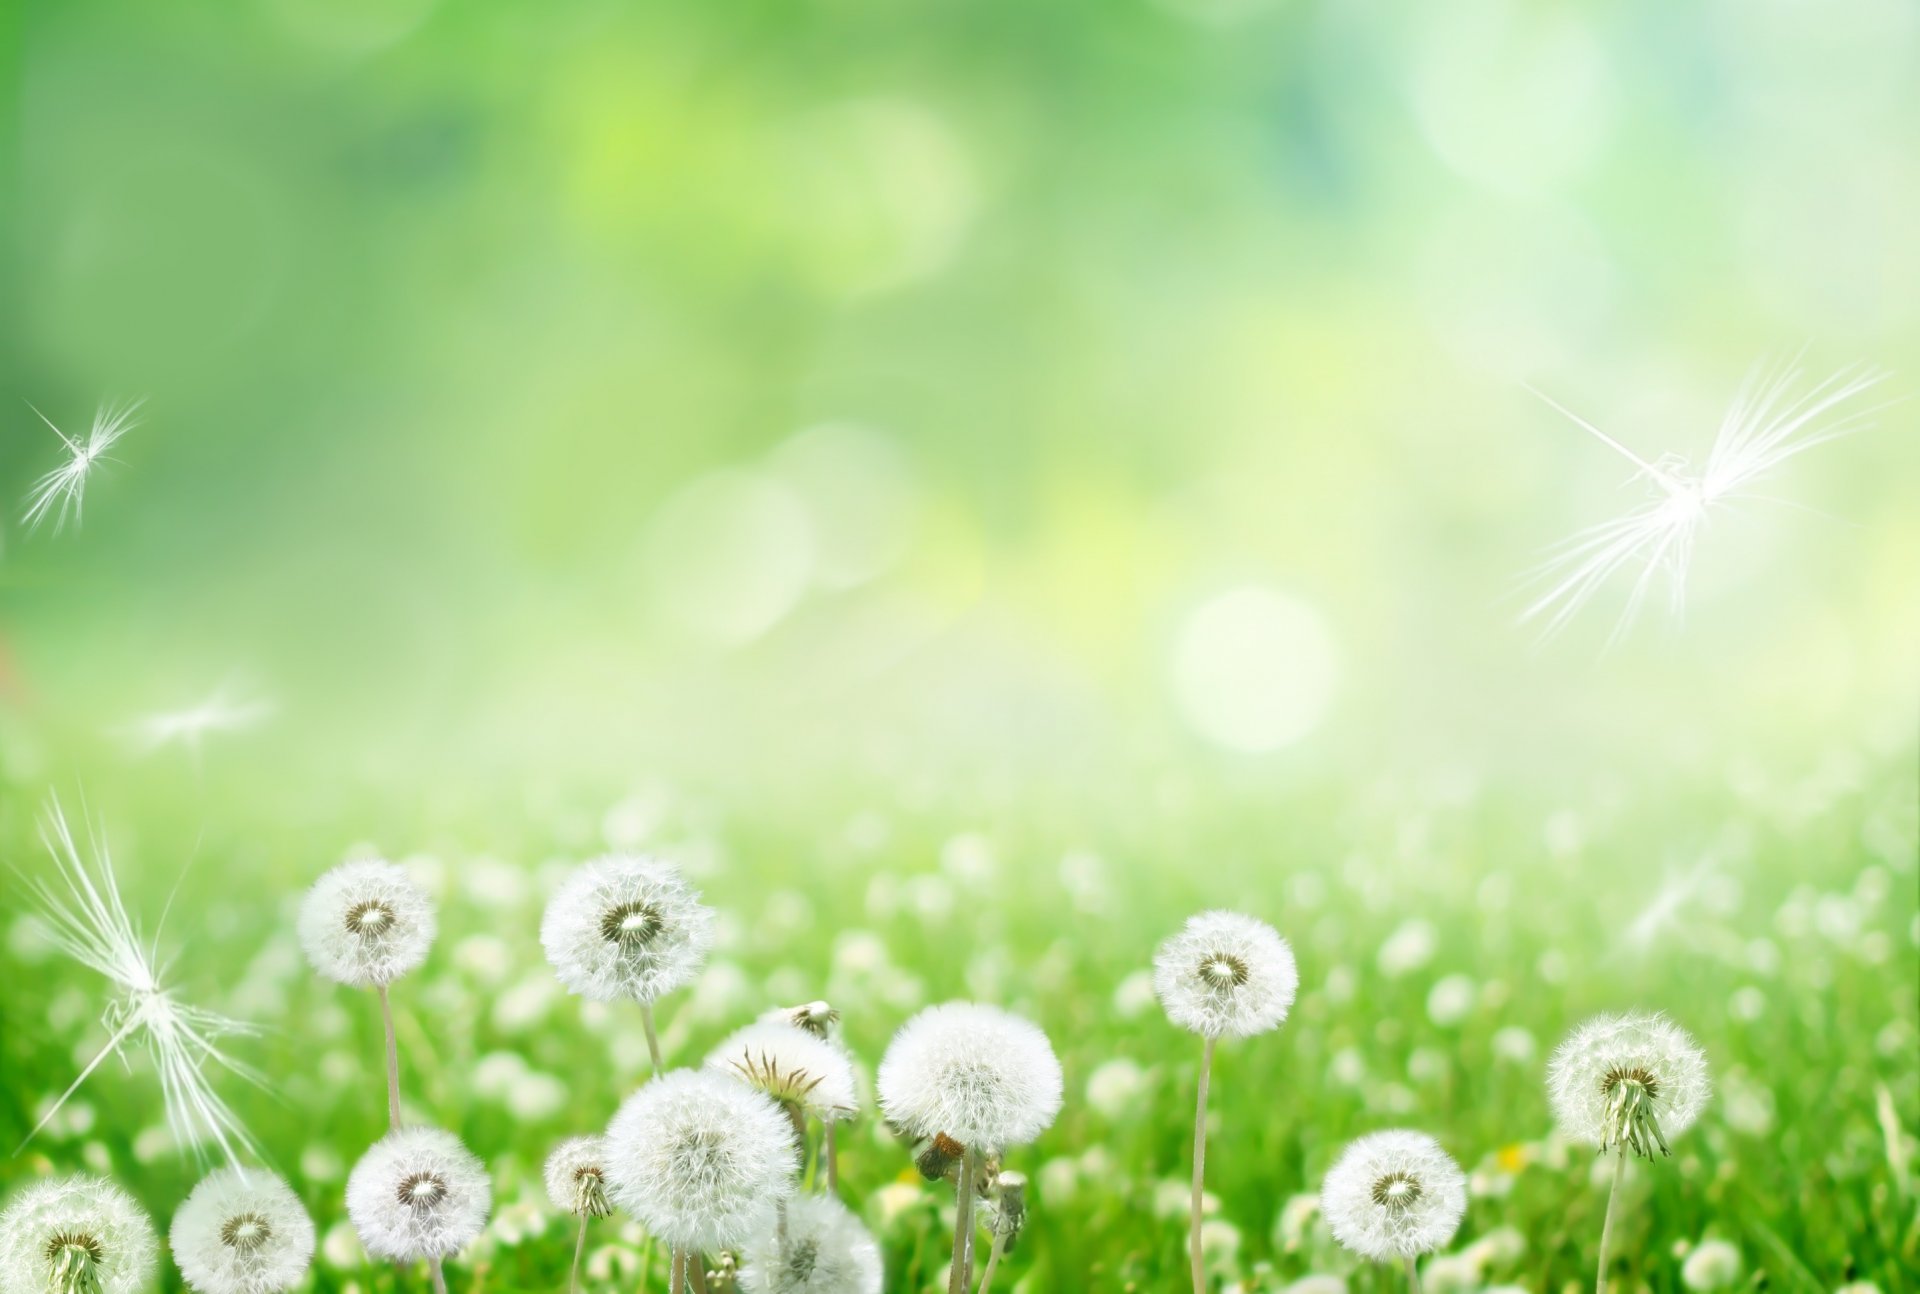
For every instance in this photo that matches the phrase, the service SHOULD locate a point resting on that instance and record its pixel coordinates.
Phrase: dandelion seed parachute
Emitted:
(242, 1231)
(75, 1235)
(366, 924)
(1637, 1080)
(1394, 1194)
(977, 1074)
(1225, 975)
(826, 1251)
(87, 920)
(626, 928)
(576, 1177)
(418, 1193)
(790, 1065)
(62, 492)
(700, 1160)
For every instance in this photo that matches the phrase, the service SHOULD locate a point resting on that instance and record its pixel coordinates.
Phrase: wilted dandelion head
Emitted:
(242, 1231)
(790, 1065)
(1633, 1080)
(1393, 1195)
(1226, 976)
(625, 927)
(1007, 1213)
(700, 1159)
(366, 924)
(418, 1193)
(576, 1174)
(976, 1074)
(75, 1235)
(827, 1251)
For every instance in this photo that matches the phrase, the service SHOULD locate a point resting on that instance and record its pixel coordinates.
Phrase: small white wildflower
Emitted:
(1226, 976)
(418, 1193)
(366, 924)
(576, 1177)
(242, 1231)
(700, 1159)
(977, 1074)
(790, 1065)
(1636, 1080)
(626, 928)
(1713, 1265)
(826, 1251)
(75, 1235)
(1394, 1194)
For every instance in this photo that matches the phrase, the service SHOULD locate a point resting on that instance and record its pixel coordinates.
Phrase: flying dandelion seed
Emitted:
(1766, 426)
(61, 493)
(87, 920)
(190, 727)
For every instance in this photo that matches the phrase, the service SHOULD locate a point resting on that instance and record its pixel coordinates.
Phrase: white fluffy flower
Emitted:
(792, 1066)
(700, 1159)
(576, 1175)
(977, 1074)
(1636, 1080)
(1225, 976)
(418, 1193)
(242, 1231)
(366, 924)
(626, 927)
(75, 1234)
(1393, 1195)
(1713, 1265)
(827, 1251)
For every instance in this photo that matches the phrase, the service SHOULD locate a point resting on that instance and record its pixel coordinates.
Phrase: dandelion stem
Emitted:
(653, 1039)
(439, 1276)
(1200, 1168)
(833, 1159)
(393, 1060)
(1413, 1275)
(960, 1274)
(1606, 1227)
(677, 1272)
(579, 1249)
(993, 1260)
(697, 1271)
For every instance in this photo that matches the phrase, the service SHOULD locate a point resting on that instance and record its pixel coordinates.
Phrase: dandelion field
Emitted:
(970, 489)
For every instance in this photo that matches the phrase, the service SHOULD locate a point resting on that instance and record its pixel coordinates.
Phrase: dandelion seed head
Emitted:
(576, 1177)
(242, 1231)
(366, 924)
(827, 1251)
(418, 1193)
(700, 1159)
(979, 1075)
(61, 493)
(75, 1235)
(1225, 975)
(1394, 1194)
(817, 1018)
(626, 928)
(1637, 1080)
(790, 1065)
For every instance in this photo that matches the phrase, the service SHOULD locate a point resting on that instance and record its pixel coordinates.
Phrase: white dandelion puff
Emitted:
(242, 1231)
(1628, 1081)
(87, 920)
(61, 493)
(576, 1177)
(366, 924)
(626, 928)
(1766, 426)
(1394, 1195)
(980, 1075)
(75, 1235)
(1225, 975)
(792, 1066)
(700, 1160)
(826, 1250)
(418, 1193)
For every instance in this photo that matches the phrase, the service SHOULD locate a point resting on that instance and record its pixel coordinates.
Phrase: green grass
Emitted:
(1793, 962)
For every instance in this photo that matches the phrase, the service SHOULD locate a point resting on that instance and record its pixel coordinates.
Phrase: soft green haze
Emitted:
(979, 480)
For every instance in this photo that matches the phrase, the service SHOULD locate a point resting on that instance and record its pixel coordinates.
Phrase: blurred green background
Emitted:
(811, 434)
